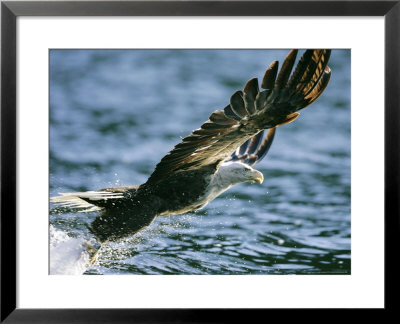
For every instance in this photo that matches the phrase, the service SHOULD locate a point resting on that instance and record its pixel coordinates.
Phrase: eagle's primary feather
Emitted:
(214, 157)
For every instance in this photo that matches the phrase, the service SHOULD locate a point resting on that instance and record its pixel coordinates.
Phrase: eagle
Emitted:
(214, 157)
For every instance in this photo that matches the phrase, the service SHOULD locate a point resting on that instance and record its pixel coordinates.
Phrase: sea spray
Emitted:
(70, 255)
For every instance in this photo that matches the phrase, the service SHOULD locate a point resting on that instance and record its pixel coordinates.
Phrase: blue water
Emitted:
(115, 113)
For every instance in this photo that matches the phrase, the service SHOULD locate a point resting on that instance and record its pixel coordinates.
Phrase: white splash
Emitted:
(68, 255)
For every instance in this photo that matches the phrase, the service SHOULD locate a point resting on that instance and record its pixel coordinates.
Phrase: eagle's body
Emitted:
(214, 157)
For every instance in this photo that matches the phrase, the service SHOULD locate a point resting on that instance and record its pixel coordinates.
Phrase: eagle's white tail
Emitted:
(73, 199)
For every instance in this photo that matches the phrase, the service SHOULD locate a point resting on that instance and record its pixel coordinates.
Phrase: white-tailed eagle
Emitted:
(214, 157)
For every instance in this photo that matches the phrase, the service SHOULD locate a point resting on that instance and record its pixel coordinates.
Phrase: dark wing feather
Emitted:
(254, 149)
(251, 111)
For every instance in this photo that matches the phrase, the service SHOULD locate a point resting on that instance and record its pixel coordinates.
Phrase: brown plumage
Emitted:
(227, 130)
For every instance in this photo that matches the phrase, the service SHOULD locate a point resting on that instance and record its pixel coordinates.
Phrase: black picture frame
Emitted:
(10, 10)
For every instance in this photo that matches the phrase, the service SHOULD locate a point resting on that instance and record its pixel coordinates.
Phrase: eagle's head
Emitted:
(237, 172)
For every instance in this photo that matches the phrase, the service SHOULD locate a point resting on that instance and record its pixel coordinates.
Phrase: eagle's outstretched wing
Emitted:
(250, 112)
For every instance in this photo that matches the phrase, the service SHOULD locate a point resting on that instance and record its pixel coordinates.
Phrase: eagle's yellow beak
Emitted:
(258, 176)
